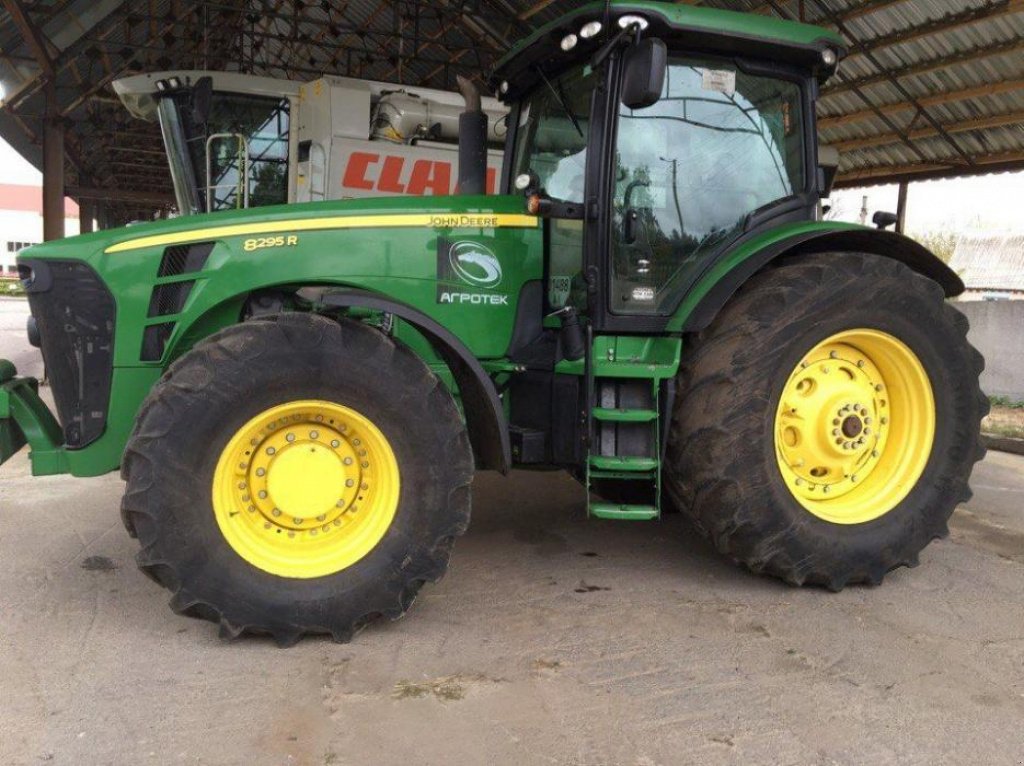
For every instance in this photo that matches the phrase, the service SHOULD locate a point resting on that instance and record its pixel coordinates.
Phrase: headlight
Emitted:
(569, 42)
(590, 29)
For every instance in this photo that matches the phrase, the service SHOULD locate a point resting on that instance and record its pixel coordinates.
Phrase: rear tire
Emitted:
(211, 395)
(725, 465)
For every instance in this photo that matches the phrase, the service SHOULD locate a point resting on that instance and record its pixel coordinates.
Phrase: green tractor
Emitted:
(297, 396)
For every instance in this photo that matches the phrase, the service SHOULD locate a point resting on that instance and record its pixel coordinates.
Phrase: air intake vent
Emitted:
(184, 259)
(154, 341)
(169, 299)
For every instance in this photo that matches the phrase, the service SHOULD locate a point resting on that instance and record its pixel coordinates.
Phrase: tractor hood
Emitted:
(461, 260)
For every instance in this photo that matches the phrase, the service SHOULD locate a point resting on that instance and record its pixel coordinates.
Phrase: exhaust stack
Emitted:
(472, 141)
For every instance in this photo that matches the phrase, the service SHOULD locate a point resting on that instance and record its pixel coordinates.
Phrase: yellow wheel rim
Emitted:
(306, 489)
(855, 426)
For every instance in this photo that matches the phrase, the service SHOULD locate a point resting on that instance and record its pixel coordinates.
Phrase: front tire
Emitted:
(828, 421)
(297, 475)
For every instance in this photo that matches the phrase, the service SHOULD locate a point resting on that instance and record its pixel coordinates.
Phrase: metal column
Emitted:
(53, 169)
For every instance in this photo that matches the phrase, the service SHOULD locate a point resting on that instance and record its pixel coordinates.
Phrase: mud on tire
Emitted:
(721, 467)
(209, 394)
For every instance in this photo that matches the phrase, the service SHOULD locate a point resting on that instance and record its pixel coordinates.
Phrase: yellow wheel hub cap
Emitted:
(855, 426)
(306, 489)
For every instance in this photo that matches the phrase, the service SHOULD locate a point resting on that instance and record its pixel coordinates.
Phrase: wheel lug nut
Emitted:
(297, 521)
(271, 450)
(321, 518)
(276, 512)
(860, 362)
(347, 461)
(261, 471)
(314, 434)
(290, 437)
(350, 483)
(335, 443)
(833, 355)
(263, 494)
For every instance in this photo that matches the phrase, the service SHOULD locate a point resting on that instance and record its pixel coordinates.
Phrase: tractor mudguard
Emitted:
(485, 418)
(734, 267)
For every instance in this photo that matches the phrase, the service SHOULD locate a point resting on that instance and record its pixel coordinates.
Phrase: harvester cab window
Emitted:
(551, 143)
(719, 145)
(239, 157)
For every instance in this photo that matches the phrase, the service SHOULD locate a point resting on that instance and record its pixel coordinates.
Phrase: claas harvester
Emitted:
(297, 396)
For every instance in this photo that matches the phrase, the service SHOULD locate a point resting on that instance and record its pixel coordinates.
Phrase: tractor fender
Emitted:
(485, 416)
(846, 239)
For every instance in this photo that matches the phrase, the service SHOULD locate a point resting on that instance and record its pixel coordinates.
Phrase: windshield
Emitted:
(551, 139)
(237, 158)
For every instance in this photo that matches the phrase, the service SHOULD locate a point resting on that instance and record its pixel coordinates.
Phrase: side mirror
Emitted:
(884, 220)
(644, 66)
(202, 100)
(828, 166)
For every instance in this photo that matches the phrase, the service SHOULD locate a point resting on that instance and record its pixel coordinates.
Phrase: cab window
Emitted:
(718, 146)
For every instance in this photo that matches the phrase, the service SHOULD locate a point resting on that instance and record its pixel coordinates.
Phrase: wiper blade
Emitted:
(560, 97)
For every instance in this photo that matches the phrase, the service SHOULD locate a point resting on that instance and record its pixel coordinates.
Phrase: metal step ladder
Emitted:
(624, 384)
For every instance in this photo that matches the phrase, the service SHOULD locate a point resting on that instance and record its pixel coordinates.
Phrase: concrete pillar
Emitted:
(901, 207)
(53, 169)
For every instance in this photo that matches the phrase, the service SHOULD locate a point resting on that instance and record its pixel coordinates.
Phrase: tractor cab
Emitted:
(654, 147)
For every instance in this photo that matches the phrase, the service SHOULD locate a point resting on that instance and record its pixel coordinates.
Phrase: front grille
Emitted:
(75, 312)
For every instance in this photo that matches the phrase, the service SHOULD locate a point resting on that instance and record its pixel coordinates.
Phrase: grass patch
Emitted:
(1005, 401)
(1004, 419)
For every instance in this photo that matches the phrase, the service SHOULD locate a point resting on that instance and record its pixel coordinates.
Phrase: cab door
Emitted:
(688, 174)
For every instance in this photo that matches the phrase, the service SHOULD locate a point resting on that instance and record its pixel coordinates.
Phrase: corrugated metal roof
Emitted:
(990, 261)
(931, 87)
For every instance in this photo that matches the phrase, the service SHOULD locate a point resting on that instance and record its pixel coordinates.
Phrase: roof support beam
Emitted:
(33, 36)
(964, 126)
(949, 97)
(989, 163)
(992, 10)
(938, 63)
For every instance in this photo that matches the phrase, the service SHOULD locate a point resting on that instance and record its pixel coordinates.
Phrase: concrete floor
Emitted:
(553, 640)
